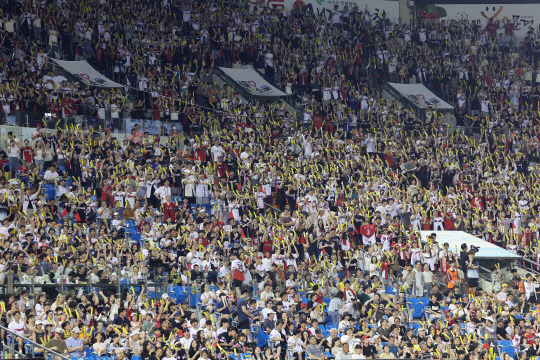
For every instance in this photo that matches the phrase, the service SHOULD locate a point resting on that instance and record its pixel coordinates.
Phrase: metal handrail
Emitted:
(159, 288)
(533, 264)
(33, 344)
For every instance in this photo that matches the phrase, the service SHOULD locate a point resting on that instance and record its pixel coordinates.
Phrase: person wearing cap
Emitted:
(368, 349)
(74, 343)
(270, 322)
(489, 330)
(40, 336)
(56, 343)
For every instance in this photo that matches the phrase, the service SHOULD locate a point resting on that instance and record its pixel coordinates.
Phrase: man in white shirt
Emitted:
(57, 79)
(193, 328)
(503, 295)
(224, 327)
(369, 144)
(217, 151)
(335, 18)
(278, 337)
(29, 199)
(61, 188)
(163, 191)
(311, 202)
(185, 342)
(267, 293)
(51, 174)
(268, 309)
(260, 269)
(18, 326)
(193, 257)
(48, 80)
(530, 288)
(244, 155)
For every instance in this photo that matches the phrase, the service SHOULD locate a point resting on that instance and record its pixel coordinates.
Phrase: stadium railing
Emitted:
(32, 349)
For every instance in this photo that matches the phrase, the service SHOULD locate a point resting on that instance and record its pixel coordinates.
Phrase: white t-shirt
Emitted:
(50, 175)
(13, 151)
(17, 327)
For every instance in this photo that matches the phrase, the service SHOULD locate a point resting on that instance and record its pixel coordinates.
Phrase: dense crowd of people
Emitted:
(303, 235)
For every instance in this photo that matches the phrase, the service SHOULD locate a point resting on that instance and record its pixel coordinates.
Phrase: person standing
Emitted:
(473, 272)
(13, 154)
(335, 305)
(452, 278)
(418, 280)
(244, 315)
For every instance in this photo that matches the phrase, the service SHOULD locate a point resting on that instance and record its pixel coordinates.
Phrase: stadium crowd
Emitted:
(302, 235)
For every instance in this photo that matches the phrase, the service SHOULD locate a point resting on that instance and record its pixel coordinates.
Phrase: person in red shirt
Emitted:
(492, 27)
(448, 221)
(28, 152)
(23, 171)
(168, 209)
(69, 108)
(530, 334)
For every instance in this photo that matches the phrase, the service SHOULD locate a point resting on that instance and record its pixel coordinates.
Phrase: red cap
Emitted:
(485, 346)
(365, 337)
(303, 305)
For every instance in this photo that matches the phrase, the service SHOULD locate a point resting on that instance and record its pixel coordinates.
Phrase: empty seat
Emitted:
(418, 310)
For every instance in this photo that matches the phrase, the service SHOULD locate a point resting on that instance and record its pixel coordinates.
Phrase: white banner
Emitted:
(84, 72)
(454, 239)
(252, 82)
(420, 96)
(375, 7)
(524, 17)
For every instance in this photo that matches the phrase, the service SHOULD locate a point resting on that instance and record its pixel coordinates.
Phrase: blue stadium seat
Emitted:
(389, 290)
(418, 310)
(330, 327)
(50, 192)
(262, 339)
(507, 350)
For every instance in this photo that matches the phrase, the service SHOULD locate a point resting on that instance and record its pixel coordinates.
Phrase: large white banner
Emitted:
(454, 239)
(523, 16)
(84, 72)
(375, 7)
(252, 82)
(420, 96)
